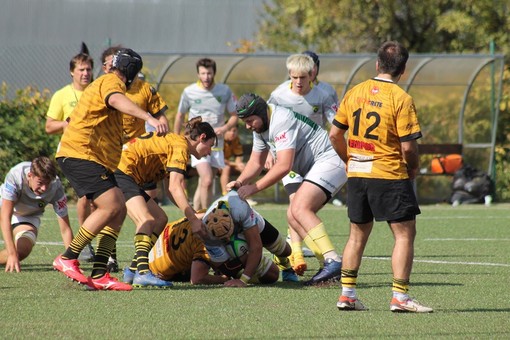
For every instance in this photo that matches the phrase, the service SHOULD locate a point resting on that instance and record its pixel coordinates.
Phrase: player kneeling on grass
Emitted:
(27, 189)
(231, 212)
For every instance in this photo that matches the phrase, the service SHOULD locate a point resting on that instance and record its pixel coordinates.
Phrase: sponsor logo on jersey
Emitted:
(282, 137)
(62, 203)
(357, 144)
(369, 102)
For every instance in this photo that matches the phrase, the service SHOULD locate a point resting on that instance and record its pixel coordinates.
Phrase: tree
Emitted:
(354, 26)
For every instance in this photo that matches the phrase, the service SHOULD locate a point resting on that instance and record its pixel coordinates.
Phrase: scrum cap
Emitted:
(251, 104)
(219, 223)
(129, 63)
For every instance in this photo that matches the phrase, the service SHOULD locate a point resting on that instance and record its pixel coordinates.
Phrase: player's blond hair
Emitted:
(300, 63)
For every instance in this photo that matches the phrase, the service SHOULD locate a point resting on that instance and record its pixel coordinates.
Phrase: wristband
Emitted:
(245, 278)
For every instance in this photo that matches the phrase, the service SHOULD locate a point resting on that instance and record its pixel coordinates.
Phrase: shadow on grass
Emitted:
(478, 310)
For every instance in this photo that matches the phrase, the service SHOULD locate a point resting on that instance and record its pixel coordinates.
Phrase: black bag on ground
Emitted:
(470, 185)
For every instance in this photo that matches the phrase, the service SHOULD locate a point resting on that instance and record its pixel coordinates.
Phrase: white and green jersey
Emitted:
(318, 104)
(292, 130)
(208, 104)
(26, 203)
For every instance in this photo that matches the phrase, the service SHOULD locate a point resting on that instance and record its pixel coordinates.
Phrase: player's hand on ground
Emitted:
(235, 283)
(12, 264)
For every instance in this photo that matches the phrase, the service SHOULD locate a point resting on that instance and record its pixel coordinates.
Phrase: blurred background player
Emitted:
(382, 160)
(27, 189)
(210, 101)
(148, 159)
(234, 163)
(89, 152)
(300, 95)
(233, 153)
(147, 98)
(62, 103)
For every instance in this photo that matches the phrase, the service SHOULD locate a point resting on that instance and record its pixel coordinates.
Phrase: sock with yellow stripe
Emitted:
(143, 245)
(348, 279)
(106, 240)
(400, 288)
(79, 242)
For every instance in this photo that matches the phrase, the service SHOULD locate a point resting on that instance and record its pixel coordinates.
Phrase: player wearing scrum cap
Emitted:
(300, 145)
(88, 153)
(179, 255)
(249, 225)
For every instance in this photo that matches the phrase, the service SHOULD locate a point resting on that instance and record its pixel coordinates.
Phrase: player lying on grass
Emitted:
(27, 189)
(178, 255)
(230, 210)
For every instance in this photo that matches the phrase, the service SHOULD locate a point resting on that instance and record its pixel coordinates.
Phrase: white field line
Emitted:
(123, 244)
(128, 244)
(444, 262)
(467, 239)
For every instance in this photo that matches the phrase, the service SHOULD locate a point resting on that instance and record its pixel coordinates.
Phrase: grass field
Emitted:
(461, 269)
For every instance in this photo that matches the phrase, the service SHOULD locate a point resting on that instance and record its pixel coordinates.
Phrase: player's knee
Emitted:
(271, 276)
(279, 247)
(25, 241)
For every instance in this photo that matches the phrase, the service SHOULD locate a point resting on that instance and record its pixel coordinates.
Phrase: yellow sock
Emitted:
(313, 247)
(142, 248)
(297, 248)
(320, 237)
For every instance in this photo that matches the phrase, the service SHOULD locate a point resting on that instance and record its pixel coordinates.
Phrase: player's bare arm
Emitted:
(411, 156)
(122, 103)
(254, 255)
(6, 210)
(337, 138)
(252, 169)
(283, 165)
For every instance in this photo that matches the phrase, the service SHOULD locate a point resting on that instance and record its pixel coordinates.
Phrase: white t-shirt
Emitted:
(208, 104)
